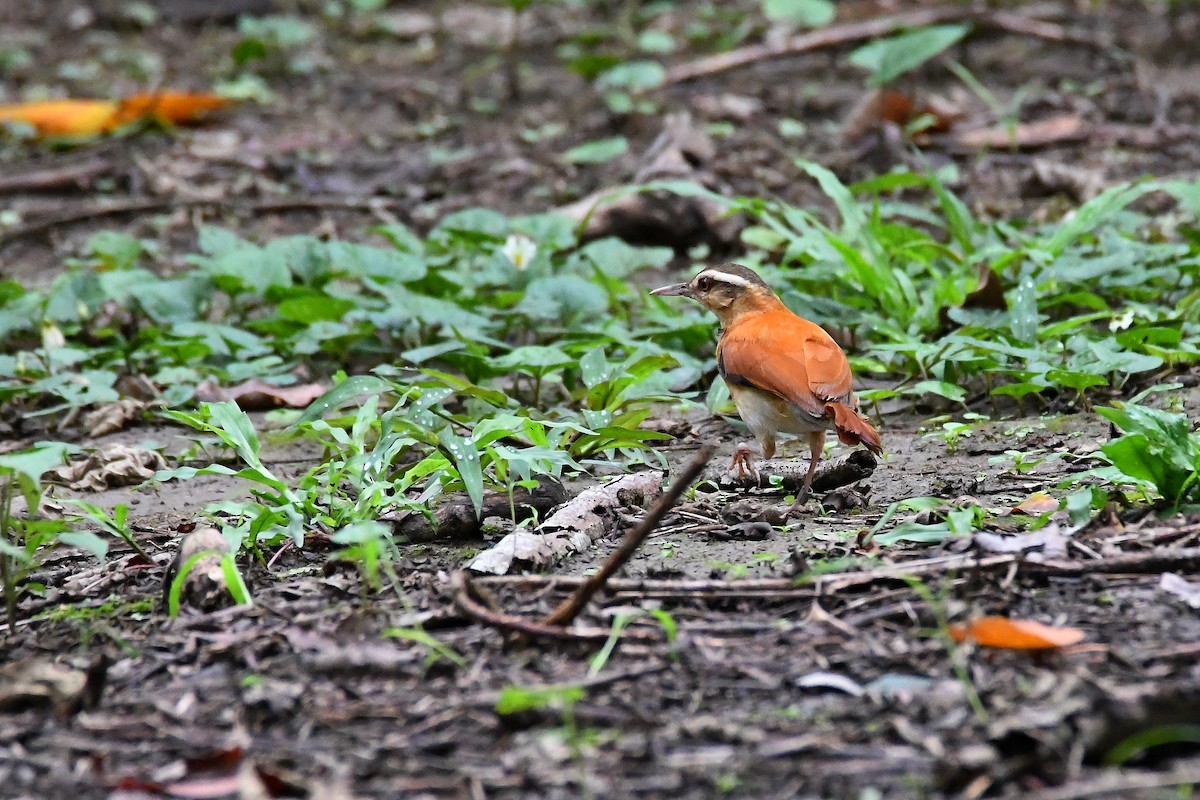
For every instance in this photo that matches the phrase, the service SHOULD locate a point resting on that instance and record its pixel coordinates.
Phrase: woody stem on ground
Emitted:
(570, 608)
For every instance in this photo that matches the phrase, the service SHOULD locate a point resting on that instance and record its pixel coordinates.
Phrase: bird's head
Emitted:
(729, 291)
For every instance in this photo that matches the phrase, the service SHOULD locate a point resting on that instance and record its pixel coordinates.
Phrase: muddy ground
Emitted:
(837, 687)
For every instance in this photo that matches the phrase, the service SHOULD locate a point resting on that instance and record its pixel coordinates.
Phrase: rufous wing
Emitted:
(788, 356)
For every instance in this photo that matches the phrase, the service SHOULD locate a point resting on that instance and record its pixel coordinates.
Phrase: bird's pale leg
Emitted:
(816, 443)
(743, 461)
(743, 464)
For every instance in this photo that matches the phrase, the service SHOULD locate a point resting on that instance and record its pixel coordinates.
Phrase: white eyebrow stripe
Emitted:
(724, 277)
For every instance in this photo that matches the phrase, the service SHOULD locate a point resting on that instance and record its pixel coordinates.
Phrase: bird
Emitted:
(784, 373)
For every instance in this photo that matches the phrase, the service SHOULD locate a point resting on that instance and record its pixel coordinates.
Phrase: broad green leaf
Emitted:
(466, 460)
(339, 395)
(597, 151)
(888, 59)
(809, 13)
(87, 541)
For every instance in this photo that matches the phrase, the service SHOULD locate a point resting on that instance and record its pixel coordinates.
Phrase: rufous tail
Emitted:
(853, 428)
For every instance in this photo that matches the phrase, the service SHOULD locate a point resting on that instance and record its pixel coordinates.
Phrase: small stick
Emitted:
(873, 28)
(267, 206)
(465, 601)
(570, 608)
(61, 177)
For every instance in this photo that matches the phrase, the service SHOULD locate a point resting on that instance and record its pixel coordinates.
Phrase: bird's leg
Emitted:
(816, 444)
(743, 463)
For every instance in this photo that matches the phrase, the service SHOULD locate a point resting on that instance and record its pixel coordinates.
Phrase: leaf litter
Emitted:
(192, 687)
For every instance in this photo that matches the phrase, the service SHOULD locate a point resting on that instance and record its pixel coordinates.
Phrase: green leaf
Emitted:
(465, 456)
(617, 259)
(950, 391)
(30, 465)
(86, 540)
(365, 260)
(563, 299)
(597, 151)
(888, 59)
(515, 699)
(633, 75)
(314, 307)
(339, 395)
(809, 13)
(913, 532)
(234, 581)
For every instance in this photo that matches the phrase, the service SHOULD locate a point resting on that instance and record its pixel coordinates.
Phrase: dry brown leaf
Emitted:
(881, 106)
(112, 465)
(38, 683)
(1015, 634)
(258, 395)
(1037, 504)
(112, 417)
(988, 292)
(1063, 128)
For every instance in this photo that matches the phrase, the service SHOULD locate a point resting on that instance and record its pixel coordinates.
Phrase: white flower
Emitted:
(52, 337)
(519, 250)
(1121, 321)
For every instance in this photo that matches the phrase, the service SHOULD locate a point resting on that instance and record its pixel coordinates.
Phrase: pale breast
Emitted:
(766, 414)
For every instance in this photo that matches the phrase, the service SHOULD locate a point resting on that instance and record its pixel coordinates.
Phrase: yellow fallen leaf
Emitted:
(1037, 504)
(1015, 634)
(63, 117)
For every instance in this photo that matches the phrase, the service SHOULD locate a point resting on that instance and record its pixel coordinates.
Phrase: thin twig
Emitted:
(1159, 560)
(1118, 785)
(1025, 24)
(465, 601)
(66, 176)
(266, 206)
(570, 608)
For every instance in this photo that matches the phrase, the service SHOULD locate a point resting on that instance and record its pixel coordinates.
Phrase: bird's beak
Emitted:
(674, 290)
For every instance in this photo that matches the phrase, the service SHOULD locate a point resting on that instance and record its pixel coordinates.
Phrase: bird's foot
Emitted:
(743, 463)
(802, 498)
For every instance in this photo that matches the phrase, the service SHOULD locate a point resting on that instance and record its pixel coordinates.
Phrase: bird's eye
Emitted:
(704, 284)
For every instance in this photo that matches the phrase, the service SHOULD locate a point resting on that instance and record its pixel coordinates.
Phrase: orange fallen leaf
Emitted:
(63, 117)
(94, 117)
(1037, 504)
(1015, 634)
(172, 108)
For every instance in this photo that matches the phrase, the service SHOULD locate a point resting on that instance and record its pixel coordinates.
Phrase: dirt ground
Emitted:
(836, 686)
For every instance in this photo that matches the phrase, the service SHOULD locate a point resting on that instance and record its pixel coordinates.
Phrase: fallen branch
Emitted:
(788, 474)
(1026, 24)
(760, 587)
(1163, 560)
(572, 528)
(466, 602)
(570, 608)
(273, 205)
(70, 176)
(1119, 784)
